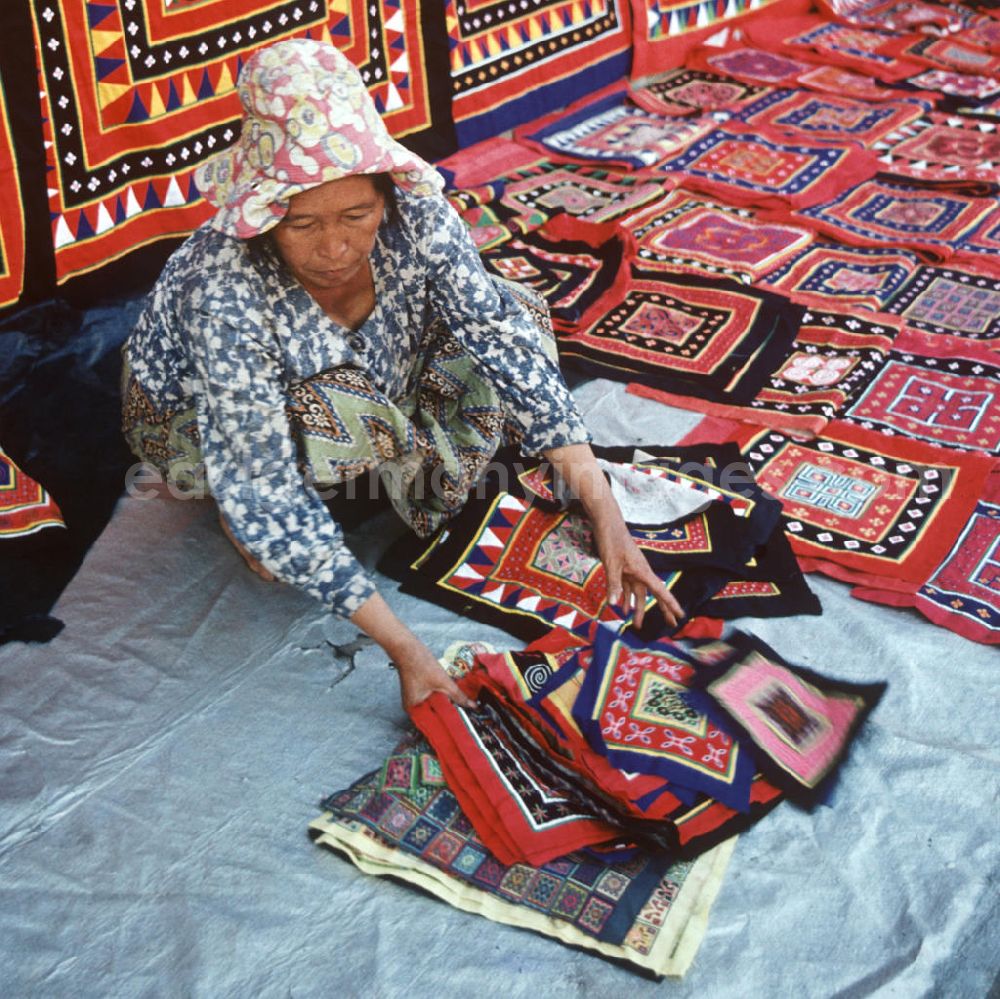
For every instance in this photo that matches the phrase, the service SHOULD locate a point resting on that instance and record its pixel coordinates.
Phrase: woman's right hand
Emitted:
(424, 675)
(420, 674)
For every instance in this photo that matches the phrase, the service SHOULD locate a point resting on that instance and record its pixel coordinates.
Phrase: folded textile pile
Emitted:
(402, 821)
(593, 792)
(522, 558)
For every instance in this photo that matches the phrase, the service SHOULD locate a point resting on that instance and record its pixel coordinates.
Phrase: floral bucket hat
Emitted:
(307, 119)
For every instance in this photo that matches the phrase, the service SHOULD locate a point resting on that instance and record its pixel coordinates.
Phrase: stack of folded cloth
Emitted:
(521, 557)
(634, 761)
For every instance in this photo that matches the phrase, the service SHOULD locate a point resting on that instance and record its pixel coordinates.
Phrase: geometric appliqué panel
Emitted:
(949, 401)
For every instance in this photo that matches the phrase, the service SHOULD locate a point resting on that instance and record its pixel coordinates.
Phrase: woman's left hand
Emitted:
(630, 579)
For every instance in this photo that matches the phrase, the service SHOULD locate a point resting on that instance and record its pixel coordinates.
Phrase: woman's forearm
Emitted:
(578, 468)
(377, 620)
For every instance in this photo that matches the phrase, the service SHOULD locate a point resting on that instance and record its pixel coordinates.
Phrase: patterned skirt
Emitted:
(429, 448)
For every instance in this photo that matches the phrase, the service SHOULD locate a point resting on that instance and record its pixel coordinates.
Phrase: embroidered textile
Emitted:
(658, 24)
(525, 805)
(949, 399)
(636, 707)
(771, 586)
(510, 564)
(937, 224)
(964, 86)
(697, 823)
(614, 131)
(476, 207)
(950, 302)
(25, 505)
(892, 15)
(687, 234)
(132, 100)
(982, 247)
(482, 162)
(857, 48)
(800, 723)
(830, 276)
(943, 147)
(833, 359)
(533, 195)
(951, 54)
(710, 338)
(544, 687)
(680, 91)
(521, 62)
(751, 65)
(861, 506)
(768, 170)
(845, 83)
(571, 265)
(803, 115)
(408, 824)
(963, 592)
(723, 532)
(981, 31)
(12, 232)
(512, 561)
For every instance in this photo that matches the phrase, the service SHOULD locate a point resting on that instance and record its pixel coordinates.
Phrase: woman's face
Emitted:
(329, 231)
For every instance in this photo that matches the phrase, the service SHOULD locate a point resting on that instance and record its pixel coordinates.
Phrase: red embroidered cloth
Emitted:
(963, 592)
(134, 97)
(946, 396)
(936, 223)
(803, 115)
(745, 62)
(681, 91)
(712, 339)
(830, 276)
(947, 53)
(546, 686)
(861, 506)
(516, 797)
(685, 233)
(637, 708)
(766, 169)
(510, 63)
(833, 359)
(943, 147)
(849, 46)
(25, 505)
(532, 195)
(608, 128)
(569, 262)
(661, 28)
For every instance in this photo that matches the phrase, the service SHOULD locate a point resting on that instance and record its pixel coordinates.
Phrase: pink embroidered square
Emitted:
(802, 729)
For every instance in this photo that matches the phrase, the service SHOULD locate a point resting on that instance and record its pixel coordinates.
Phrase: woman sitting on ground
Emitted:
(331, 319)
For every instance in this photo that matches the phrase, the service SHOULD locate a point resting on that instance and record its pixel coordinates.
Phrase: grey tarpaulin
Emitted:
(162, 757)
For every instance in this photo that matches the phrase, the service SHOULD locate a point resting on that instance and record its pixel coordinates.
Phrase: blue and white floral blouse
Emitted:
(228, 330)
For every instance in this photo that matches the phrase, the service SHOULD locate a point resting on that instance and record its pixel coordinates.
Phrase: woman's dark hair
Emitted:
(385, 186)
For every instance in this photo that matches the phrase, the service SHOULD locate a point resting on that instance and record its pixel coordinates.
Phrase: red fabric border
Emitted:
(482, 793)
(654, 56)
(970, 474)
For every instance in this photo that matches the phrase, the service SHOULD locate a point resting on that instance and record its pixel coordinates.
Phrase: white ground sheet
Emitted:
(161, 758)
